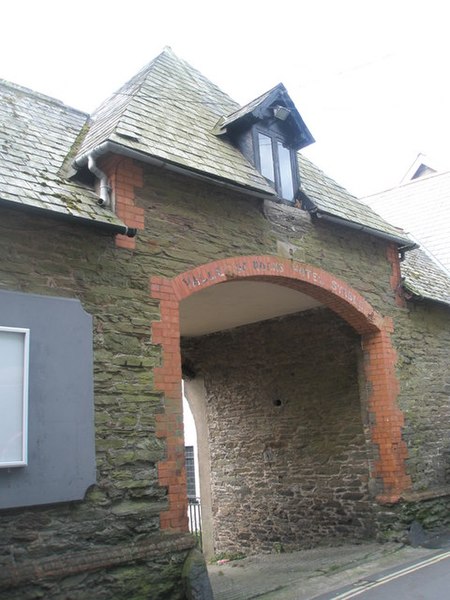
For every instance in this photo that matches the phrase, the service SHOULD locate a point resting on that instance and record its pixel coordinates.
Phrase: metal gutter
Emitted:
(116, 148)
(114, 228)
(420, 297)
(404, 244)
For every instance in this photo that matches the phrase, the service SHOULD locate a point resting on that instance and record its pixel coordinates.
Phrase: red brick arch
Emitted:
(379, 363)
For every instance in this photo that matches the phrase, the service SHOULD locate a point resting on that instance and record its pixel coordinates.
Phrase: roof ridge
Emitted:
(167, 112)
(140, 75)
(410, 182)
(255, 100)
(119, 97)
(190, 70)
(39, 95)
(126, 92)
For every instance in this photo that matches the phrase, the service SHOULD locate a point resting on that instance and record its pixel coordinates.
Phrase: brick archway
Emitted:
(388, 471)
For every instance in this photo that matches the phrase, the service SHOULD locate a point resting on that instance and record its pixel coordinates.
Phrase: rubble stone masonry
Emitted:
(127, 538)
(288, 447)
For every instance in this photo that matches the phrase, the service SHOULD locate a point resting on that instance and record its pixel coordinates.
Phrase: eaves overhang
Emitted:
(115, 148)
(412, 294)
(116, 227)
(404, 244)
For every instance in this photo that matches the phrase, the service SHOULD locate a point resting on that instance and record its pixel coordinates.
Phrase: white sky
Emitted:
(370, 78)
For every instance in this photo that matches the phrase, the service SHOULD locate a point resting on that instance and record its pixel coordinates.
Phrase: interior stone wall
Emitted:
(289, 464)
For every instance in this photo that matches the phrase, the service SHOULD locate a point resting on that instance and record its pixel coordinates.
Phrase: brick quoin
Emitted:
(169, 425)
(124, 176)
(379, 365)
(396, 277)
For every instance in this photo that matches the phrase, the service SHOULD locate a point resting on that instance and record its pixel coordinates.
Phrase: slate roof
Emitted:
(422, 207)
(255, 109)
(169, 111)
(330, 198)
(36, 135)
(424, 279)
(242, 111)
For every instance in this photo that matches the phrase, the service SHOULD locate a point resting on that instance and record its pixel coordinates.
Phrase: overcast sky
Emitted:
(370, 78)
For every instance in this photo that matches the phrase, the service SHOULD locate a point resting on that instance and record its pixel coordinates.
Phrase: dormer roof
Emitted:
(422, 207)
(264, 107)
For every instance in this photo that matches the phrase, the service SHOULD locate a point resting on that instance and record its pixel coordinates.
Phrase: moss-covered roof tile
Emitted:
(423, 277)
(330, 197)
(36, 135)
(168, 111)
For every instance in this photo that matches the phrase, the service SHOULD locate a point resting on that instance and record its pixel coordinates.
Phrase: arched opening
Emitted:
(364, 336)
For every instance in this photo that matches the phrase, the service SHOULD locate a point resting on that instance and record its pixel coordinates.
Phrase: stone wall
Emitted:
(100, 544)
(289, 464)
(143, 570)
(187, 223)
(423, 340)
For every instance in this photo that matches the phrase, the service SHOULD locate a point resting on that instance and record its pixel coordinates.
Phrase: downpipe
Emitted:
(105, 188)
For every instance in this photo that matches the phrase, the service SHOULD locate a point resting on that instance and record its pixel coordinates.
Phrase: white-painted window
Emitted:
(14, 352)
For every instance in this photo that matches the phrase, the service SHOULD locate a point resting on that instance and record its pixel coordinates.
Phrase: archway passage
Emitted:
(388, 474)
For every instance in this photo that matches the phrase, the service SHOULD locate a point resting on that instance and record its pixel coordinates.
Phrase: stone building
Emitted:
(175, 234)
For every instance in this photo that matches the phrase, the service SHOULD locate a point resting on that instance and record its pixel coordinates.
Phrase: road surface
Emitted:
(427, 579)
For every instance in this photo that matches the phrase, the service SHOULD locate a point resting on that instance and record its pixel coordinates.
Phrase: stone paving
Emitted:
(308, 573)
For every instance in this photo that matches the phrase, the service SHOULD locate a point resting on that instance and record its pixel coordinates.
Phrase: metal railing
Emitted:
(195, 519)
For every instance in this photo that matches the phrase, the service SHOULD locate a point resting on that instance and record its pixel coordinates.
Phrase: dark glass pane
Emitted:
(286, 175)
(266, 156)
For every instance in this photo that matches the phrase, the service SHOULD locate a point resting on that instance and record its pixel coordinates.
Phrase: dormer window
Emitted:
(277, 163)
(269, 131)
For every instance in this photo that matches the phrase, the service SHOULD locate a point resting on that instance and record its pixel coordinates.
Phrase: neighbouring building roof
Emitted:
(420, 167)
(422, 207)
(36, 135)
(421, 204)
